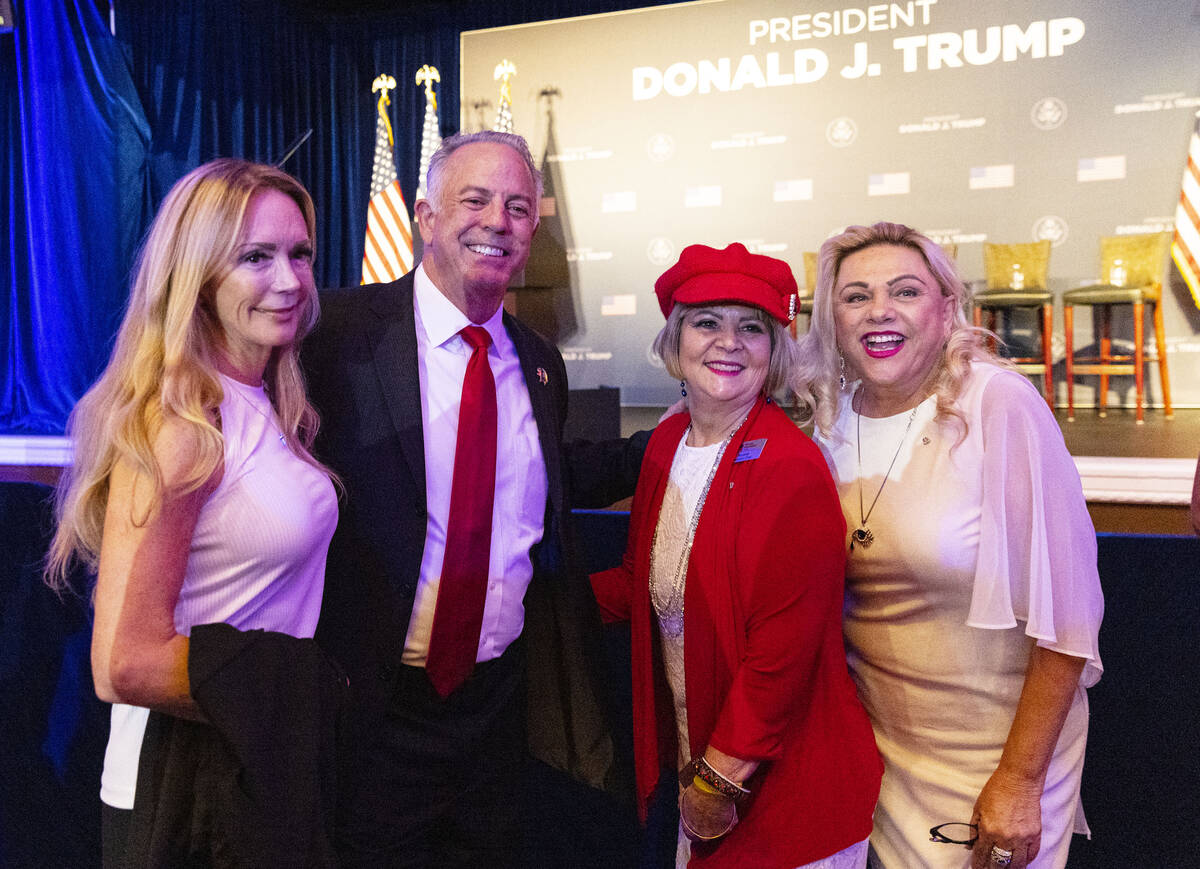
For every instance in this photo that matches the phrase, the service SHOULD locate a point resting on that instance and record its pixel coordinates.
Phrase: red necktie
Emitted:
(454, 640)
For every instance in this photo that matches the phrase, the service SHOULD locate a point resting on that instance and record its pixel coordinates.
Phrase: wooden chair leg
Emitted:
(1105, 357)
(1160, 343)
(991, 324)
(1047, 354)
(1069, 360)
(1139, 359)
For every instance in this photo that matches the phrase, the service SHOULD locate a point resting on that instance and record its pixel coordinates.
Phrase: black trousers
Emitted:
(114, 836)
(437, 783)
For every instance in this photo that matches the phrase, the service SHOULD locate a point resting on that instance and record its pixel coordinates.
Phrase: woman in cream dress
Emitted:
(973, 602)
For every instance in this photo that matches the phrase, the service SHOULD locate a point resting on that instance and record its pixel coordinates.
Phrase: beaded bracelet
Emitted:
(704, 772)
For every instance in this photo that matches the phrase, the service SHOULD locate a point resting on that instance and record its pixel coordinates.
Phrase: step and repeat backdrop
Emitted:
(778, 123)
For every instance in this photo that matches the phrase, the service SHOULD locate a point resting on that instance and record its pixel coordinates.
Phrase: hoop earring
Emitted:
(842, 372)
(683, 388)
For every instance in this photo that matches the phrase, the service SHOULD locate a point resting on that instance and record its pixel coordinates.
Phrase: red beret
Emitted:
(734, 275)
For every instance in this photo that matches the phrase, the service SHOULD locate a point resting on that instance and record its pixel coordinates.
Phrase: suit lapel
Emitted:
(536, 370)
(392, 336)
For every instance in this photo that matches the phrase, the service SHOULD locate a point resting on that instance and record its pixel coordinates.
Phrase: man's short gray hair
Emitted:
(449, 145)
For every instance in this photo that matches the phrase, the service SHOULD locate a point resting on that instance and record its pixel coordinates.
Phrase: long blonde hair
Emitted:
(164, 362)
(821, 368)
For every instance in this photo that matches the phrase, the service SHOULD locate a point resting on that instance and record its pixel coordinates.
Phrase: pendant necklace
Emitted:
(254, 407)
(862, 534)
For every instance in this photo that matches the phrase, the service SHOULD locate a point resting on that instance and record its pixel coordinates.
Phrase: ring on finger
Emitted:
(1000, 856)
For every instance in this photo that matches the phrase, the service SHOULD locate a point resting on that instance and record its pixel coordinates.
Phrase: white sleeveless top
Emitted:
(257, 557)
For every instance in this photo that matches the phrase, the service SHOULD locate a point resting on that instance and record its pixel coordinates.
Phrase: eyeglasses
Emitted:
(954, 834)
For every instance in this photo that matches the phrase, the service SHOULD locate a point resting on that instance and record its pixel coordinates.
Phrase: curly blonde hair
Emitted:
(817, 379)
(164, 362)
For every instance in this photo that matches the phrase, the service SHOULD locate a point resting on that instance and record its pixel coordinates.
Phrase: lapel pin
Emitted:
(925, 441)
(542, 376)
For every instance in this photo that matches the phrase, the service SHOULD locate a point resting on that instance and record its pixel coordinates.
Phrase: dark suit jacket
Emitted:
(361, 365)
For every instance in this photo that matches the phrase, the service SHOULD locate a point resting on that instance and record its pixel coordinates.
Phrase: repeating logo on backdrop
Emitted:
(841, 132)
(660, 147)
(661, 251)
(1050, 228)
(1048, 113)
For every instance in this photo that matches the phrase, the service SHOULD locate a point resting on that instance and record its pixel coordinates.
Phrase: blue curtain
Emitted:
(73, 197)
(96, 129)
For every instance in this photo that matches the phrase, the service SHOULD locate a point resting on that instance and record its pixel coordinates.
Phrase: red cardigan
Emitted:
(763, 654)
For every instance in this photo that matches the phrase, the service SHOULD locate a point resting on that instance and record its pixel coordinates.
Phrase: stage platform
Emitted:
(1137, 478)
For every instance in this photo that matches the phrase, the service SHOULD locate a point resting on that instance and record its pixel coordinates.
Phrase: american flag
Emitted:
(1185, 248)
(988, 177)
(504, 72)
(888, 184)
(388, 249)
(1101, 168)
(793, 190)
(431, 136)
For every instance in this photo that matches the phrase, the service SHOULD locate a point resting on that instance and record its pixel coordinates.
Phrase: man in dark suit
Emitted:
(435, 770)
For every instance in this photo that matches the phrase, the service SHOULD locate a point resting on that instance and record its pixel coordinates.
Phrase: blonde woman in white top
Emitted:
(193, 493)
(973, 603)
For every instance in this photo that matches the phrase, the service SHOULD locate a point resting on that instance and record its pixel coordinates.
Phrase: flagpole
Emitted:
(293, 148)
(503, 73)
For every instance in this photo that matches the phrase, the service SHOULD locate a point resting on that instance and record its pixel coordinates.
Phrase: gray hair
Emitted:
(433, 177)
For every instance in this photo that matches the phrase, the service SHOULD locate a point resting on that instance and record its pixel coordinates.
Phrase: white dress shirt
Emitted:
(518, 512)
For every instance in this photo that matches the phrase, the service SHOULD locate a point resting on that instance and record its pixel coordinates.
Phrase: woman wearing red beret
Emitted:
(732, 581)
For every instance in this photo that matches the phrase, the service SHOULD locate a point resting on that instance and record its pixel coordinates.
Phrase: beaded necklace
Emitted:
(670, 609)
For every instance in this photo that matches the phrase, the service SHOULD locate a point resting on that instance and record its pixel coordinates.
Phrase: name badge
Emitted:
(750, 450)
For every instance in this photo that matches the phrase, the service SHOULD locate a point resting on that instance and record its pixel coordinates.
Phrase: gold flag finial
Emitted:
(504, 72)
(384, 83)
(427, 75)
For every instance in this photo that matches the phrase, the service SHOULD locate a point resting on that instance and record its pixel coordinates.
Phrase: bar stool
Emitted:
(1132, 269)
(1017, 277)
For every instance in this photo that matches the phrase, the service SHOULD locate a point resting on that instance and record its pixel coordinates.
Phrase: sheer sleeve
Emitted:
(1037, 547)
